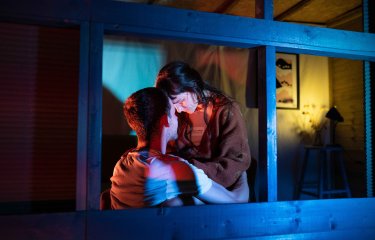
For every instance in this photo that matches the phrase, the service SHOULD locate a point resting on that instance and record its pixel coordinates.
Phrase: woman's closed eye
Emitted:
(178, 100)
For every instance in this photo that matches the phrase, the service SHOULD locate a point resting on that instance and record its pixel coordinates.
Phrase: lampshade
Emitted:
(334, 115)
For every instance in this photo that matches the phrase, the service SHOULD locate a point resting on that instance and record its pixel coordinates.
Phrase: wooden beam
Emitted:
(224, 6)
(94, 116)
(266, 69)
(50, 11)
(324, 219)
(219, 29)
(314, 219)
(307, 23)
(264, 9)
(292, 10)
(267, 124)
(345, 17)
(201, 27)
(371, 28)
(369, 97)
(82, 129)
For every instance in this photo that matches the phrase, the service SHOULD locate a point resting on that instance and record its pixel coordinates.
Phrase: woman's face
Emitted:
(173, 122)
(185, 102)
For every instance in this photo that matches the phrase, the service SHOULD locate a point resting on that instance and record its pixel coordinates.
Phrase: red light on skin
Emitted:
(181, 170)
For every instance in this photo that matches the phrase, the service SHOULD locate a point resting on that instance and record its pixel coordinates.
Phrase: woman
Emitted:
(212, 132)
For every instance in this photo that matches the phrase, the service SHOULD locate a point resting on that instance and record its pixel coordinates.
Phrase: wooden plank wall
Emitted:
(347, 93)
(38, 115)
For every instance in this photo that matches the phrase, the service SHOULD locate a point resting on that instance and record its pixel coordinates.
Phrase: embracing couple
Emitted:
(192, 145)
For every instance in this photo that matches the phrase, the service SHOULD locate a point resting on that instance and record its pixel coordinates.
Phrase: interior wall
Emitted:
(347, 93)
(296, 128)
(38, 118)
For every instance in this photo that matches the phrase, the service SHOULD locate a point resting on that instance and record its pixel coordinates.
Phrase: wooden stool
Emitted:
(324, 184)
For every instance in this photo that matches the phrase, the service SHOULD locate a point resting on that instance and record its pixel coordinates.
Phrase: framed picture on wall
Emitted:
(287, 81)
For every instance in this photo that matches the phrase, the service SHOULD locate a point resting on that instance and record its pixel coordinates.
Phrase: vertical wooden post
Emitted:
(369, 74)
(264, 9)
(267, 124)
(267, 112)
(81, 171)
(94, 117)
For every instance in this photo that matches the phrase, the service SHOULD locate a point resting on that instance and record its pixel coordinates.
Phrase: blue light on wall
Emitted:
(129, 66)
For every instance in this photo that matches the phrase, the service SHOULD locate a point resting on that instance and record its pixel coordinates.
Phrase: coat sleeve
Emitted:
(230, 148)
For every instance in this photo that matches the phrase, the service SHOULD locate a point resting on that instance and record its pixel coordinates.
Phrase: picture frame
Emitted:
(287, 81)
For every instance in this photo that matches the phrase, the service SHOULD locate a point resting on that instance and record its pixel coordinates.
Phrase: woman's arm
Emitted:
(207, 190)
(218, 194)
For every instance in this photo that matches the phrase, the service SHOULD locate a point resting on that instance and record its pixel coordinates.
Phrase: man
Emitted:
(146, 176)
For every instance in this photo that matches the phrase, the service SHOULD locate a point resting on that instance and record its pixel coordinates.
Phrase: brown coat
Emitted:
(224, 150)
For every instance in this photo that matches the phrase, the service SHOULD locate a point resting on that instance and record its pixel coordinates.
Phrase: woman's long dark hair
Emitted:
(178, 77)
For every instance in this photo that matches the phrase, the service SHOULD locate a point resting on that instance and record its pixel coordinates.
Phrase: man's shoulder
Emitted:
(181, 169)
(168, 158)
(178, 164)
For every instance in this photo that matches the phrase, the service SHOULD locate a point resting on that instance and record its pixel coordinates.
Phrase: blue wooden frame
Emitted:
(303, 218)
(367, 105)
(82, 133)
(267, 110)
(229, 30)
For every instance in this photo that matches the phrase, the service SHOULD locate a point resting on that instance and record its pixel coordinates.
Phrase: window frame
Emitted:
(314, 219)
(194, 26)
(97, 17)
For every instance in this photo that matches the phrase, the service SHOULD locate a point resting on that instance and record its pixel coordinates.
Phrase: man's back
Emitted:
(148, 178)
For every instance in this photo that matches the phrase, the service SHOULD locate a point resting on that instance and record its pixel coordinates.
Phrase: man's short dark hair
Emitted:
(144, 109)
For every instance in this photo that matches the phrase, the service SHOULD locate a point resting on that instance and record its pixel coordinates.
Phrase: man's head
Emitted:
(145, 111)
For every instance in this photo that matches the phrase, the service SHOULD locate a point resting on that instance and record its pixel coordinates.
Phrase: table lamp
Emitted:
(335, 117)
